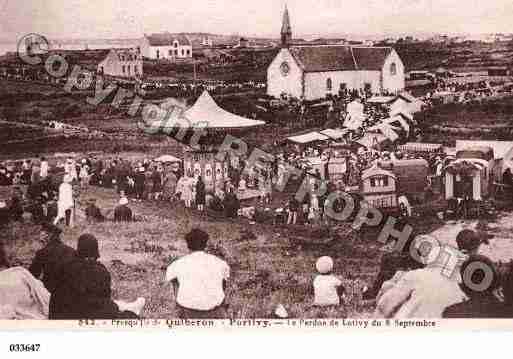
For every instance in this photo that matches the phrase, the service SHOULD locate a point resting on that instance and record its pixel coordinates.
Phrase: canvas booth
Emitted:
(378, 188)
(203, 159)
(421, 147)
(470, 175)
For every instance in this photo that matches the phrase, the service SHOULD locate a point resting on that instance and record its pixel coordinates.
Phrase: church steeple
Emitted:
(286, 29)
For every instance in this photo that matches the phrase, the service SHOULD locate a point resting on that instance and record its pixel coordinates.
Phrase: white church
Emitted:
(313, 72)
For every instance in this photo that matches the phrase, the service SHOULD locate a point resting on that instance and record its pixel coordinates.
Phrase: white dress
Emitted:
(65, 201)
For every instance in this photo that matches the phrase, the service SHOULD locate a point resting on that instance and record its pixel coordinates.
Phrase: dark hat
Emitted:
(468, 240)
(51, 229)
(87, 246)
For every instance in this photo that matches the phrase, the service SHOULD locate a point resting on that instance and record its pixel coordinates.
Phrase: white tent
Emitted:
(387, 130)
(308, 137)
(355, 115)
(167, 159)
(370, 140)
(205, 113)
(380, 100)
(334, 134)
(398, 120)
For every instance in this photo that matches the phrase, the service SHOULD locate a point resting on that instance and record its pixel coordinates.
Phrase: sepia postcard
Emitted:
(328, 165)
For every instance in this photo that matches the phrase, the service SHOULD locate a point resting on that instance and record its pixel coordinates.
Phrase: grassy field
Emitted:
(491, 120)
(267, 268)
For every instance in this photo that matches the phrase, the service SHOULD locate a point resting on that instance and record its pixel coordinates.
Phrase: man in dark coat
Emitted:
(16, 205)
(140, 179)
(85, 291)
(50, 260)
(200, 194)
(122, 213)
(231, 204)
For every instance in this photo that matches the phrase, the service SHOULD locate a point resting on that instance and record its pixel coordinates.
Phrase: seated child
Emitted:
(327, 287)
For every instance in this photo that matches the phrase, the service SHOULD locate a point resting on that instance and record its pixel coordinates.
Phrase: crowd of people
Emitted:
(64, 283)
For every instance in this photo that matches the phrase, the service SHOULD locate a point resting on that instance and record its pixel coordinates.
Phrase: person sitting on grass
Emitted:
(21, 295)
(50, 260)
(85, 291)
(410, 294)
(482, 302)
(199, 279)
(93, 213)
(327, 288)
(123, 213)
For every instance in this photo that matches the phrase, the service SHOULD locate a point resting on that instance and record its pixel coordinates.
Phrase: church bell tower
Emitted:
(286, 29)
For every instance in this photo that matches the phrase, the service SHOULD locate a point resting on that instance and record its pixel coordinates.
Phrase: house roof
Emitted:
(123, 54)
(167, 39)
(340, 58)
(377, 171)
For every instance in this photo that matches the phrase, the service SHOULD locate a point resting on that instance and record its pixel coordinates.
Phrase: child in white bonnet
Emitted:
(327, 287)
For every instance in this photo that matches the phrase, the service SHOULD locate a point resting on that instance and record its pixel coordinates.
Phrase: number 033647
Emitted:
(24, 347)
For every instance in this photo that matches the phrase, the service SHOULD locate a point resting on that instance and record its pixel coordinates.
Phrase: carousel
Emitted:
(203, 159)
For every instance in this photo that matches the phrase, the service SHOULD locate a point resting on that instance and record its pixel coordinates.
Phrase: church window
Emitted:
(393, 69)
(158, 54)
(123, 68)
(329, 84)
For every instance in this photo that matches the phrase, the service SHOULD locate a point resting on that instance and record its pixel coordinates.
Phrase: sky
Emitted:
(132, 18)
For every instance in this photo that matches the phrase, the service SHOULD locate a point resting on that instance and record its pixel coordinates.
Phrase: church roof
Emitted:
(371, 58)
(286, 28)
(340, 58)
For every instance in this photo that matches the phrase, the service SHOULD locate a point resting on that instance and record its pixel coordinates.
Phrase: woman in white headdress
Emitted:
(65, 203)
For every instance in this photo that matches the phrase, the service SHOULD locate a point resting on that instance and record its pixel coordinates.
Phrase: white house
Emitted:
(122, 63)
(166, 46)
